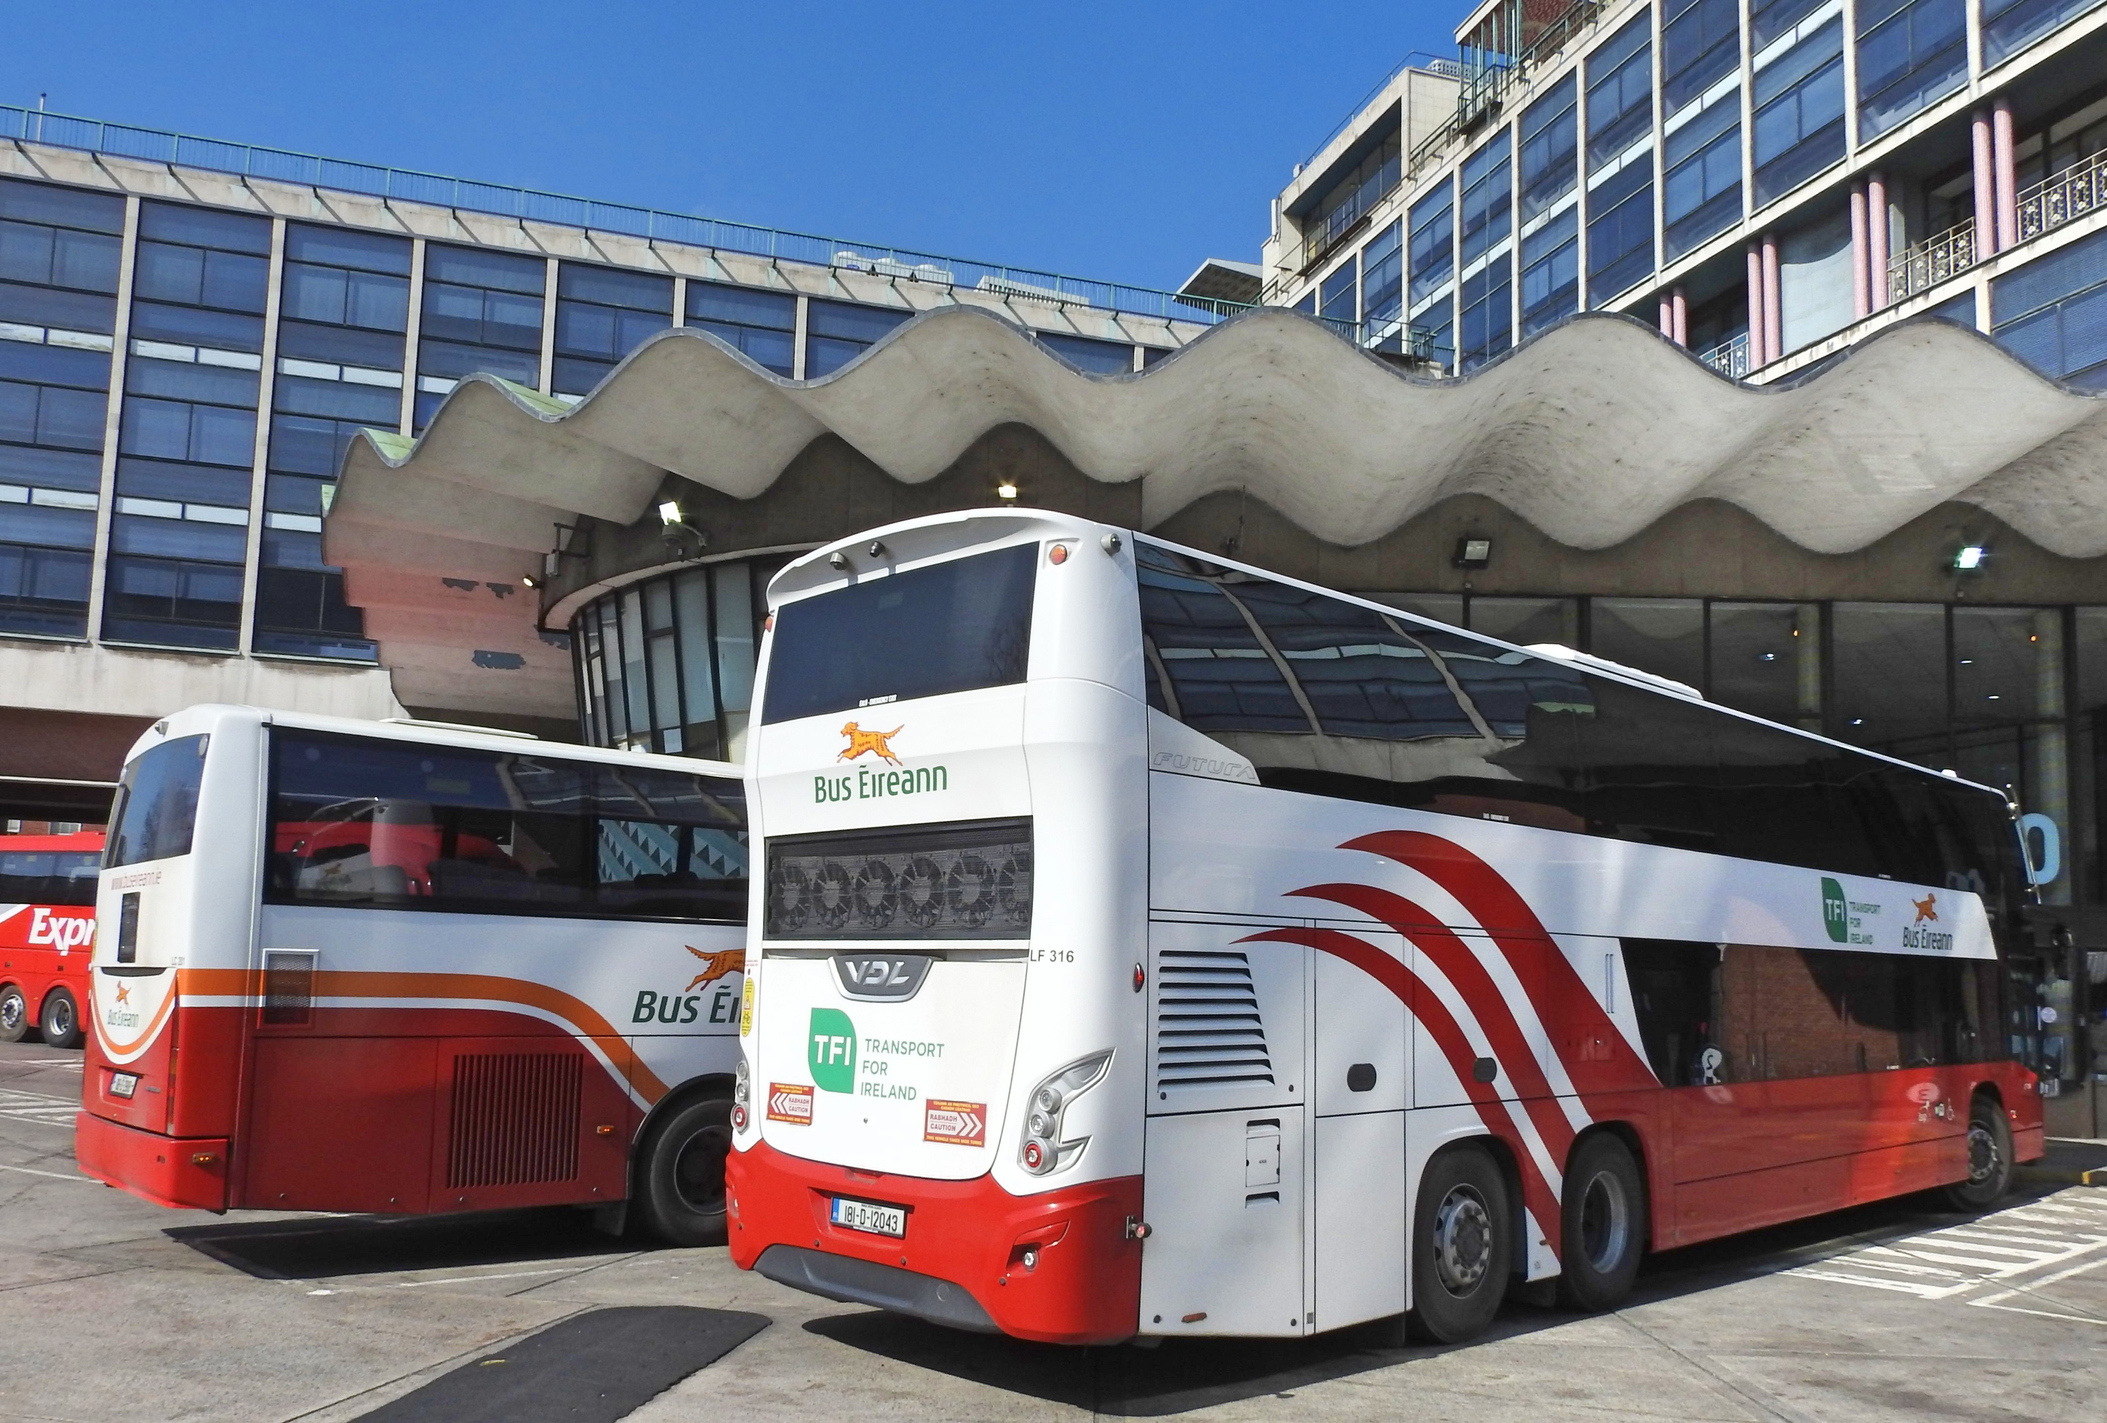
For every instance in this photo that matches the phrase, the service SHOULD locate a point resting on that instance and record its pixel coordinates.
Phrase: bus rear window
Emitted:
(157, 803)
(945, 627)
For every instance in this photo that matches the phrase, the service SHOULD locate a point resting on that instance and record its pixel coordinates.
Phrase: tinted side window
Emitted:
(397, 825)
(48, 877)
(157, 803)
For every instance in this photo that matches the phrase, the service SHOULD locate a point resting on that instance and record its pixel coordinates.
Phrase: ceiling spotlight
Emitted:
(1006, 490)
(1473, 553)
(1970, 558)
(530, 580)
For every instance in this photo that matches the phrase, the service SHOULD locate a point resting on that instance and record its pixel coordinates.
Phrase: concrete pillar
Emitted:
(1679, 308)
(1807, 664)
(2049, 792)
(1773, 301)
(1877, 239)
(1755, 264)
(1667, 317)
(1985, 187)
(2006, 169)
(1861, 256)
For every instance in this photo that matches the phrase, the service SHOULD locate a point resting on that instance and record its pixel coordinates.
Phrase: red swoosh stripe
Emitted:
(1433, 1015)
(1593, 1050)
(1488, 1004)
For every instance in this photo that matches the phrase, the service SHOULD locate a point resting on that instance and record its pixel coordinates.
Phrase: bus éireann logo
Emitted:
(1836, 914)
(863, 742)
(721, 964)
(830, 1050)
(1927, 908)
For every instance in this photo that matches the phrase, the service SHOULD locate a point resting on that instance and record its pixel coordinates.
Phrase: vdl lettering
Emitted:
(675, 1008)
(879, 785)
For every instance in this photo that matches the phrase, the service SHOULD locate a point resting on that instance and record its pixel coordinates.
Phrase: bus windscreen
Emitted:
(157, 803)
(945, 627)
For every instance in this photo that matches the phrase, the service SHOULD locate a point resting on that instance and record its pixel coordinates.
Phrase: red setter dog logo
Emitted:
(861, 742)
(1927, 908)
(716, 966)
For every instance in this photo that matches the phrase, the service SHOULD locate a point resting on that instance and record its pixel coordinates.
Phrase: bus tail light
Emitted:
(1044, 1149)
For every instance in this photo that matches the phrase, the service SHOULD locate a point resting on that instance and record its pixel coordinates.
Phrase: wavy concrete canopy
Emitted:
(1591, 432)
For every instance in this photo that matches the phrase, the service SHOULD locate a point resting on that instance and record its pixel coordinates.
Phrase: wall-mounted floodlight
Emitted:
(1473, 553)
(676, 528)
(1006, 490)
(1970, 558)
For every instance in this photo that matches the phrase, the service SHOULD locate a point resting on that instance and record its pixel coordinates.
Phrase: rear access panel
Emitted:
(1222, 1192)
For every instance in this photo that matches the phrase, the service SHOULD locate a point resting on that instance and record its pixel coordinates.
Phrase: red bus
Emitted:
(47, 930)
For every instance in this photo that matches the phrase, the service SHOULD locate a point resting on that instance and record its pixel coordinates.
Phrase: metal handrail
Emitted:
(1730, 357)
(2064, 197)
(651, 224)
(1927, 263)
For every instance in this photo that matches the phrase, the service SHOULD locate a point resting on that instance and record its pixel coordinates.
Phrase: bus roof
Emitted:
(198, 718)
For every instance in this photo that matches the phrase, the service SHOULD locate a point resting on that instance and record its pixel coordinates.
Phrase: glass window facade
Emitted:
(2009, 26)
(668, 664)
(1383, 287)
(1433, 244)
(1485, 322)
(761, 325)
(482, 312)
(1105, 358)
(346, 300)
(1910, 52)
(1551, 272)
(1701, 189)
(1700, 45)
(1488, 200)
(1338, 298)
(2052, 313)
(1550, 139)
(1620, 92)
(603, 314)
(837, 332)
(1799, 113)
(1620, 232)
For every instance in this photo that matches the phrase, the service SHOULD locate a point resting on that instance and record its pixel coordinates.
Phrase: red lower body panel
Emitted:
(1085, 1284)
(189, 1173)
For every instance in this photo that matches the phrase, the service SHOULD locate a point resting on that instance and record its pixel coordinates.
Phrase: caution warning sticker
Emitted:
(955, 1123)
(788, 1102)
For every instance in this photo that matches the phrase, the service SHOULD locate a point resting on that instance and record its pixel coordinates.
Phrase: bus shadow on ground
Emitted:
(321, 1247)
(1182, 1375)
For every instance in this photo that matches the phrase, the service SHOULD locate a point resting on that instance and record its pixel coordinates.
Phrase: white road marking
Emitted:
(1960, 1259)
(54, 1175)
(38, 1107)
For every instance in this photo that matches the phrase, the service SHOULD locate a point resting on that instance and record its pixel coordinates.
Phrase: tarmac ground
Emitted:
(112, 1309)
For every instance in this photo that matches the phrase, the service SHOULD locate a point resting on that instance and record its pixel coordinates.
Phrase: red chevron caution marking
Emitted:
(788, 1102)
(956, 1123)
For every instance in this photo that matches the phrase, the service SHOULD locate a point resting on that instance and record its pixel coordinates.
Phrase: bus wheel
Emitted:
(1603, 1222)
(1462, 1246)
(14, 1014)
(680, 1181)
(1989, 1158)
(60, 1022)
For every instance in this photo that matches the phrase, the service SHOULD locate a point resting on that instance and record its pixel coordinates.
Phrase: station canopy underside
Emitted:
(1592, 431)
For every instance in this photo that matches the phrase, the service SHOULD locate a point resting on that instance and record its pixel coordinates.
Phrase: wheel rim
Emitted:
(62, 1018)
(1462, 1240)
(1605, 1222)
(1984, 1155)
(698, 1171)
(11, 1009)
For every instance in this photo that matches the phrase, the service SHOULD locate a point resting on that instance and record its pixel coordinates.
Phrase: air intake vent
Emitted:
(288, 987)
(1208, 1032)
(515, 1119)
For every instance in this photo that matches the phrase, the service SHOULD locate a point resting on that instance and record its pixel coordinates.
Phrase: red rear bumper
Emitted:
(189, 1173)
(1084, 1288)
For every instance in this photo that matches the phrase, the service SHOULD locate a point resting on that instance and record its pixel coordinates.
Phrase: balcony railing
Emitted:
(1391, 337)
(1932, 261)
(1730, 357)
(651, 224)
(2064, 197)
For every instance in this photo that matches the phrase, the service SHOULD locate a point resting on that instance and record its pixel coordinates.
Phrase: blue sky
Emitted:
(1118, 141)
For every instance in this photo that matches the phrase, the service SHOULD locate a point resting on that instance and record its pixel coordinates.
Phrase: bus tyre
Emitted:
(14, 1014)
(60, 1021)
(1989, 1158)
(1462, 1246)
(680, 1177)
(1603, 1224)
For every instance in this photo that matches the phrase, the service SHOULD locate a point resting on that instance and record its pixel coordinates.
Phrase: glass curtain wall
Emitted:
(601, 316)
(1486, 297)
(59, 254)
(667, 664)
(482, 312)
(837, 332)
(762, 325)
(1620, 175)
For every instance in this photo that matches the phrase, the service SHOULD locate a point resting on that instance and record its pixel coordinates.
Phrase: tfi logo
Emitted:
(894, 976)
(1836, 915)
(831, 1050)
(61, 931)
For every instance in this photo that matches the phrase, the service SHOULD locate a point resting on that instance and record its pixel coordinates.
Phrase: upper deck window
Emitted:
(944, 627)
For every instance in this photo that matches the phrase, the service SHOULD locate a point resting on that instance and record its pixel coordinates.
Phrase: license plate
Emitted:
(123, 1084)
(862, 1215)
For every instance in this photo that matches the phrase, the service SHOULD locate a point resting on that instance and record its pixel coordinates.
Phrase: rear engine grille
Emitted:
(515, 1119)
(288, 988)
(1208, 1031)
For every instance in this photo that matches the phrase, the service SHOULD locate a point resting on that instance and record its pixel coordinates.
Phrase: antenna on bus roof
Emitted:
(459, 726)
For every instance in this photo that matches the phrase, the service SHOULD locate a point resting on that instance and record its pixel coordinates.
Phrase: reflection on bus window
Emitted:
(48, 876)
(387, 824)
(157, 803)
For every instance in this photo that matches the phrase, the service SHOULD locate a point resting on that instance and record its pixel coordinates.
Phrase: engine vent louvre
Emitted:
(1208, 1030)
(288, 987)
(515, 1119)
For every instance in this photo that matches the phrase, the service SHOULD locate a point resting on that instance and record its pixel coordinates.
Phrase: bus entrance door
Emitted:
(1358, 1091)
